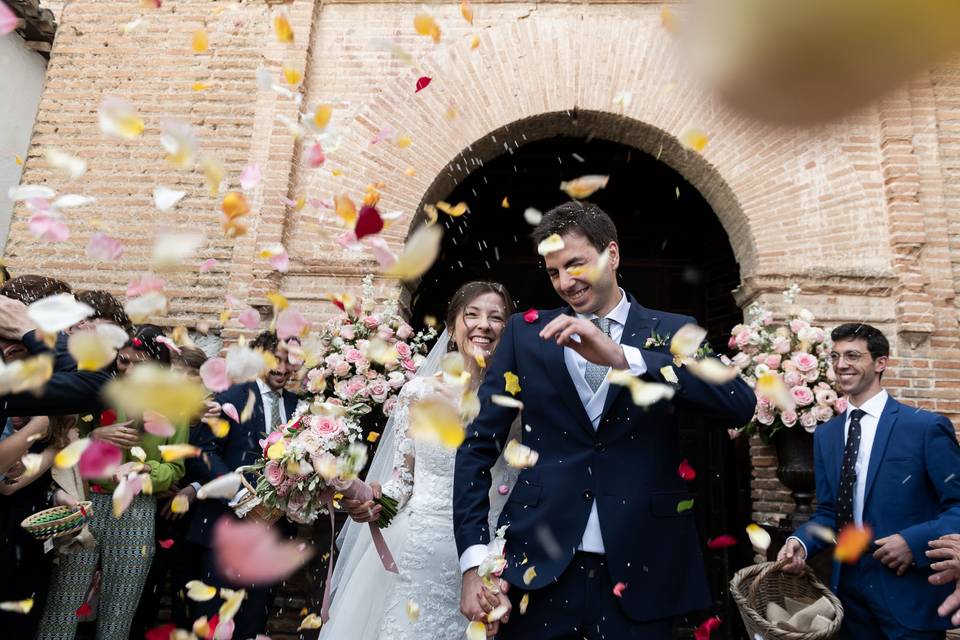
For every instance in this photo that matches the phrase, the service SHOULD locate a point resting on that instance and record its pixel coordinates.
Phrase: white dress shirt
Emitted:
(873, 409)
(267, 411)
(592, 540)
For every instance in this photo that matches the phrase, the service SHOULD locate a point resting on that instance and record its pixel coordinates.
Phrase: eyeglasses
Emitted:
(852, 357)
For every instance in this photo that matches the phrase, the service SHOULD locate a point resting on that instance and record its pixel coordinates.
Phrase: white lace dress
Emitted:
(371, 604)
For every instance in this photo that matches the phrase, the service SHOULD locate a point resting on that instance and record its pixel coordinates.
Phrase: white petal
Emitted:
(165, 199)
(56, 313)
(30, 191)
(72, 200)
(226, 486)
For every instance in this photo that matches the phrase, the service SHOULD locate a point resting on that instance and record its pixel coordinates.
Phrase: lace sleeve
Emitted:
(400, 485)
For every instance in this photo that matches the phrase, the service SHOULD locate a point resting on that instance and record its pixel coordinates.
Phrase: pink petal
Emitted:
(213, 373)
(250, 177)
(503, 489)
(280, 262)
(168, 343)
(315, 156)
(383, 134)
(531, 315)
(208, 264)
(381, 251)
(98, 459)
(166, 544)
(704, 630)
(224, 630)
(157, 424)
(250, 318)
(231, 412)
(8, 19)
(618, 589)
(348, 240)
(252, 552)
(290, 323)
(144, 284)
(721, 542)
(103, 247)
(47, 227)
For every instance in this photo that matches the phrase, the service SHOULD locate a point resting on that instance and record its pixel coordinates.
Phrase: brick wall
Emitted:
(864, 213)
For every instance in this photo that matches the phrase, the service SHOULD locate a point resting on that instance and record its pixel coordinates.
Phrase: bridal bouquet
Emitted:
(362, 358)
(311, 461)
(796, 355)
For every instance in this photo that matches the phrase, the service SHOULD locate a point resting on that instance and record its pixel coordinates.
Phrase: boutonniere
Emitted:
(657, 340)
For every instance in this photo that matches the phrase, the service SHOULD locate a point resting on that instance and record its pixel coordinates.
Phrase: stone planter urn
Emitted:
(795, 470)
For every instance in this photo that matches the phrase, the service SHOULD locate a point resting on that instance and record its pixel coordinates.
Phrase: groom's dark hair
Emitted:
(581, 218)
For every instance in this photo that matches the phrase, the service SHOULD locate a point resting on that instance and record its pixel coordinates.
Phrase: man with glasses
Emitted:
(891, 468)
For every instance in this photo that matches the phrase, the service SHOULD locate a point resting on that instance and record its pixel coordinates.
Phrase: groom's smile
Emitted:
(579, 255)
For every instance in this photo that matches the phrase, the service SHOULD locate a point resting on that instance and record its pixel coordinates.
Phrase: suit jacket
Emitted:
(240, 447)
(628, 465)
(911, 489)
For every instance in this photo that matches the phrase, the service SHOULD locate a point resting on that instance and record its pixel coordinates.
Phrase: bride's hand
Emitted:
(368, 511)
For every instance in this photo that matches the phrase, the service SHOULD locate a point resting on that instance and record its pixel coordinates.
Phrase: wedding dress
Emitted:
(422, 602)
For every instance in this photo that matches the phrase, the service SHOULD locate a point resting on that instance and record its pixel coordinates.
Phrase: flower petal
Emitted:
(852, 542)
(694, 139)
(721, 542)
(103, 247)
(58, 312)
(165, 199)
(420, 252)
(155, 423)
(250, 318)
(250, 177)
(74, 167)
(550, 244)
(759, 537)
(70, 455)
(434, 419)
(711, 370)
(99, 459)
(225, 486)
(519, 456)
(686, 471)
(8, 22)
(584, 186)
(687, 340)
(173, 249)
(290, 324)
(252, 553)
(174, 452)
(119, 119)
(531, 215)
(200, 592)
(91, 349)
(422, 83)
(151, 387)
(531, 315)
(213, 373)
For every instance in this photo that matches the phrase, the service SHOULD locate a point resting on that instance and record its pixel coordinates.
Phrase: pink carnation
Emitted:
(403, 349)
(802, 395)
(788, 418)
(781, 344)
(773, 360)
(805, 361)
(353, 355)
(792, 378)
(826, 396)
(273, 473)
(371, 322)
(808, 420)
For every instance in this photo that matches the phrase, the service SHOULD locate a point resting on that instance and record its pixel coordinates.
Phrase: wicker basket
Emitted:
(753, 587)
(259, 511)
(58, 521)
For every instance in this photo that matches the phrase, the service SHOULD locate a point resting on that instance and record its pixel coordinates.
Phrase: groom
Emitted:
(604, 505)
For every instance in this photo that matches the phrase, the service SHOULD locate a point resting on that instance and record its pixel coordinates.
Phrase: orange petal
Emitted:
(200, 42)
(282, 29)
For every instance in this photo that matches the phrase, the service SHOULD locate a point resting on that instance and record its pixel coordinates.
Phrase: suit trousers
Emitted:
(580, 604)
(865, 613)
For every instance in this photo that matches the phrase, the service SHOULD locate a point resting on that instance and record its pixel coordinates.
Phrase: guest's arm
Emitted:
(18, 443)
(65, 393)
(46, 461)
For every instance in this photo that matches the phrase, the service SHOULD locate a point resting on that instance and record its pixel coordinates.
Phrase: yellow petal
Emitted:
(425, 25)
(321, 117)
(772, 387)
(454, 211)
(149, 387)
(70, 455)
(200, 592)
(173, 452)
(475, 42)
(422, 248)
(453, 365)
(505, 203)
(26, 375)
(435, 420)
(529, 575)
(345, 209)
(138, 453)
(199, 86)
(276, 450)
(312, 621)
(213, 173)
(512, 383)
(497, 613)
(694, 139)
(200, 42)
(119, 118)
(592, 272)
(524, 603)
(669, 374)
(431, 212)
(550, 244)
(759, 537)
(712, 370)
(410, 171)
(91, 350)
(466, 10)
(179, 504)
(669, 20)
(234, 205)
(31, 464)
(17, 606)
(231, 604)
(642, 393)
(413, 611)
(282, 29)
(584, 186)
(292, 76)
(404, 141)
(506, 401)
(277, 300)
(687, 340)
(219, 427)
(373, 436)
(476, 631)
(519, 456)
(852, 542)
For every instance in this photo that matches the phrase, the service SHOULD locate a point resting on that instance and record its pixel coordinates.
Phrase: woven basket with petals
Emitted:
(58, 521)
(250, 507)
(755, 586)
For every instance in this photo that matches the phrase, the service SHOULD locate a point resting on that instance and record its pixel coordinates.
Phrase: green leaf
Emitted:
(684, 505)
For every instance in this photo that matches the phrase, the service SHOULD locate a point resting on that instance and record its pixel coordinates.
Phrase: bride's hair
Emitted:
(467, 294)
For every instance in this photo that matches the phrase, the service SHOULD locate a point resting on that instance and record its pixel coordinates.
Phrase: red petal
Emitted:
(422, 83)
(108, 417)
(686, 471)
(721, 542)
(98, 459)
(84, 610)
(163, 632)
(166, 544)
(369, 222)
(704, 630)
(531, 315)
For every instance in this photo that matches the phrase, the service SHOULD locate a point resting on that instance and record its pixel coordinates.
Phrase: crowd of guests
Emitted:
(116, 569)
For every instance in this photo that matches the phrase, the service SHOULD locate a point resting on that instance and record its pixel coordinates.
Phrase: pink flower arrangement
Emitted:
(797, 352)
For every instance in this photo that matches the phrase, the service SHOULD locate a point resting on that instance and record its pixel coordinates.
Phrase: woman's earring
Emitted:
(451, 345)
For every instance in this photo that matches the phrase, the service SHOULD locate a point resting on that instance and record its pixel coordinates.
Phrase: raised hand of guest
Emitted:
(120, 434)
(14, 321)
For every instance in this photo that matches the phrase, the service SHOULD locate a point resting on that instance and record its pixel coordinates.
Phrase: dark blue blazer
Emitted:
(628, 465)
(240, 447)
(913, 488)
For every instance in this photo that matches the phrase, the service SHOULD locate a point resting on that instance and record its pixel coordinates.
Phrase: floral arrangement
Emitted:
(361, 359)
(788, 365)
(307, 462)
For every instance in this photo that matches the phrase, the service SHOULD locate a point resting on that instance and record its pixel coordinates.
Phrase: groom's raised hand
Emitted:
(594, 345)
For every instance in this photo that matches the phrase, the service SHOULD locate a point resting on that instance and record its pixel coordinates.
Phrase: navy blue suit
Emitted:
(912, 488)
(240, 447)
(628, 465)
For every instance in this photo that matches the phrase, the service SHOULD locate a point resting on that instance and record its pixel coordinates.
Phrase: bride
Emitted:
(423, 601)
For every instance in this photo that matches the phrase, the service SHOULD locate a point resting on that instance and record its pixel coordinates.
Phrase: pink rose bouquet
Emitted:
(797, 353)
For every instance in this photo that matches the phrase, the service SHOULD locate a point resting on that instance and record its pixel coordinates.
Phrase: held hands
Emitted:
(476, 601)
(795, 555)
(595, 346)
(894, 553)
(368, 511)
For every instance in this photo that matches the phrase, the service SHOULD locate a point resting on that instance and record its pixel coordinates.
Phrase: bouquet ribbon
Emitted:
(356, 490)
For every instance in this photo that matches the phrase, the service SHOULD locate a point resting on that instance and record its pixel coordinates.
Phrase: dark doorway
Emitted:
(675, 257)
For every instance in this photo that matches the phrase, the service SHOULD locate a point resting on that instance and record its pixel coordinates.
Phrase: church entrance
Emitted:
(675, 257)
